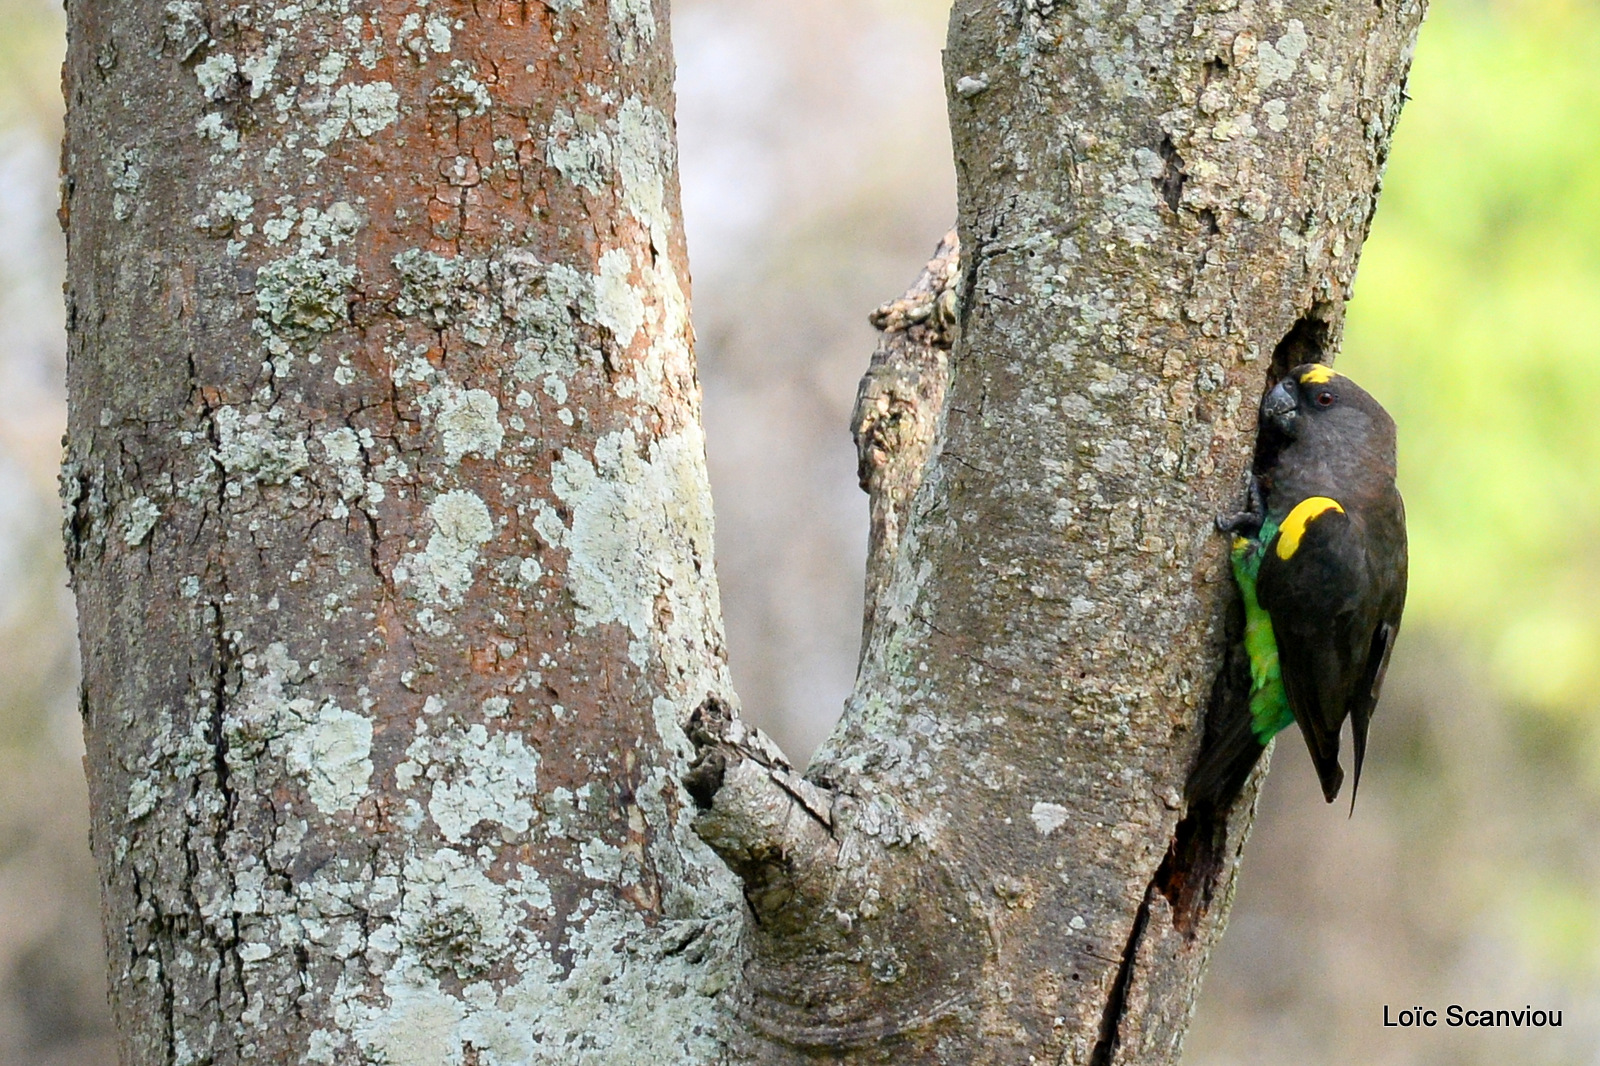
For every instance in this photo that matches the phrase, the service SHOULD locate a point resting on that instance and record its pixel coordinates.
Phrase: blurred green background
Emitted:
(816, 179)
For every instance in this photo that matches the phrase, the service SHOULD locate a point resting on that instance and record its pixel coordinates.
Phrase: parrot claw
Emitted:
(1243, 522)
(1246, 521)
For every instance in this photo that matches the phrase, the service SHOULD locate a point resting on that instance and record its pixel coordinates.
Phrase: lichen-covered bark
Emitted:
(390, 532)
(388, 521)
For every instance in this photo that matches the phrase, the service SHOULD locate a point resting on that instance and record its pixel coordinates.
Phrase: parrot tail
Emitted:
(1230, 752)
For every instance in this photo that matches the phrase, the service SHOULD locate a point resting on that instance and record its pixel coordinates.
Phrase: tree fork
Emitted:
(404, 687)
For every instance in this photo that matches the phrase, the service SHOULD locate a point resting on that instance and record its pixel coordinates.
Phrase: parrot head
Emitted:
(1314, 408)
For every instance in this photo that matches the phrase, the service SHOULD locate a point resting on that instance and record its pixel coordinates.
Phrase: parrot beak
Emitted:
(1282, 407)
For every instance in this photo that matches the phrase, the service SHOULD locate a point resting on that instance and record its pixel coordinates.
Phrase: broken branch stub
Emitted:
(897, 408)
(771, 826)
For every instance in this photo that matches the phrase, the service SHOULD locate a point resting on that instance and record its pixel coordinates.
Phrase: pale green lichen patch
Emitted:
(342, 448)
(215, 74)
(636, 146)
(138, 520)
(346, 452)
(1048, 817)
(455, 940)
(143, 795)
(367, 109)
(440, 290)
(1277, 62)
(640, 525)
(323, 744)
(319, 230)
(603, 862)
(667, 365)
(125, 169)
(277, 229)
(579, 149)
(633, 24)
(514, 296)
(213, 127)
(443, 571)
(331, 751)
(258, 70)
(1131, 197)
(438, 34)
(467, 420)
(1277, 122)
(531, 292)
(228, 208)
(545, 311)
(619, 305)
(461, 91)
(304, 294)
(419, 1028)
(529, 572)
(419, 37)
(458, 921)
(251, 448)
(644, 158)
(183, 25)
(624, 993)
(475, 778)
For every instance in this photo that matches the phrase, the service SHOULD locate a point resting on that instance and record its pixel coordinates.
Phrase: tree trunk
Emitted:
(389, 526)
(391, 534)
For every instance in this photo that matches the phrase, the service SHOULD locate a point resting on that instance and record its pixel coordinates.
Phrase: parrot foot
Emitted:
(1246, 521)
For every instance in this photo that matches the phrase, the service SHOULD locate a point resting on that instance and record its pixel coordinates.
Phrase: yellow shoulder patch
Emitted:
(1318, 375)
(1294, 526)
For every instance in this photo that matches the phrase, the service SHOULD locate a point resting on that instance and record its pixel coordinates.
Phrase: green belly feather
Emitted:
(1269, 704)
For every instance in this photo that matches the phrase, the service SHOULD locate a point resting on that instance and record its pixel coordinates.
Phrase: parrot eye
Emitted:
(1324, 399)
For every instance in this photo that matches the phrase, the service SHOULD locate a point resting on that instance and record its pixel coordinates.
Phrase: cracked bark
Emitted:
(387, 516)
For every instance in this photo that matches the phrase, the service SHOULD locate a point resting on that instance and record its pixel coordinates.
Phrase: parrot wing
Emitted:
(1386, 567)
(1314, 585)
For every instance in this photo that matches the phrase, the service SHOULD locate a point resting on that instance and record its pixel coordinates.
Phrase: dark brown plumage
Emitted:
(1333, 578)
